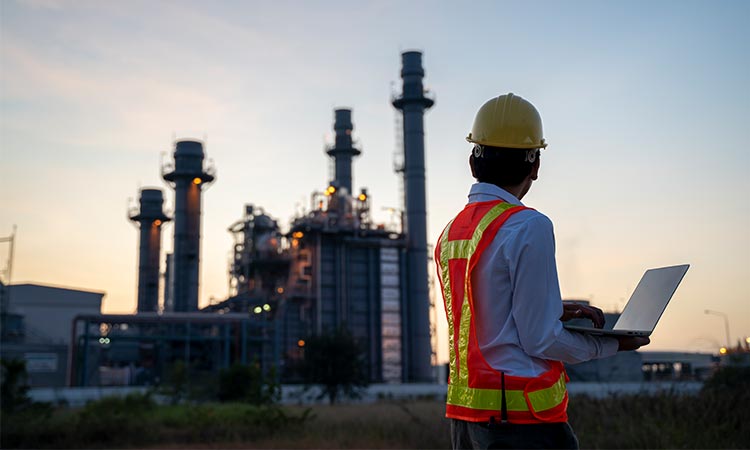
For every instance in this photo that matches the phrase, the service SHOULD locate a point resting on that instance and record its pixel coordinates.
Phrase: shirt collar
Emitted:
(488, 189)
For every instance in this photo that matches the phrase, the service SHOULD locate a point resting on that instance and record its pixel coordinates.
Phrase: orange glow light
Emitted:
(723, 350)
(301, 343)
(298, 235)
(362, 197)
(197, 180)
(157, 222)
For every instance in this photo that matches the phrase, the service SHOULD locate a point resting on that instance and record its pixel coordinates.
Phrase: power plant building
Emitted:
(332, 268)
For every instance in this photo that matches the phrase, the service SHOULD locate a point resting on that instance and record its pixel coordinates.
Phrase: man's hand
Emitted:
(627, 343)
(572, 310)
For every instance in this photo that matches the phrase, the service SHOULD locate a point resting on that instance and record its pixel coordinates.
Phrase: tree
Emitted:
(14, 387)
(335, 362)
(247, 384)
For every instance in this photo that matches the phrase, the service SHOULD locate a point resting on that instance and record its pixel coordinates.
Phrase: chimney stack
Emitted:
(188, 177)
(413, 104)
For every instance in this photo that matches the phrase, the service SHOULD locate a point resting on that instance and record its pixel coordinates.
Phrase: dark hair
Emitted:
(500, 166)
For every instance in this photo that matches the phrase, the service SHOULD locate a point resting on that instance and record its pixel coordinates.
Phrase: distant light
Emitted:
(157, 222)
(266, 307)
(747, 339)
(298, 235)
(301, 343)
(723, 350)
(258, 310)
(330, 190)
(197, 180)
(362, 197)
(280, 290)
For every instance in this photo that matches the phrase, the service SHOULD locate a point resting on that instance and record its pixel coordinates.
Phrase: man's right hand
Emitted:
(627, 343)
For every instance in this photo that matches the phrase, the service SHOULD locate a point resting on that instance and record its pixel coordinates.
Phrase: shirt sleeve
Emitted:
(537, 303)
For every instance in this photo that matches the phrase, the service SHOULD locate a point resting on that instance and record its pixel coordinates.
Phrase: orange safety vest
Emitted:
(476, 391)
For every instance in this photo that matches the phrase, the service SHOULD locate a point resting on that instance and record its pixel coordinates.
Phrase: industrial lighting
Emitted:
(723, 350)
(330, 190)
(157, 222)
(747, 339)
(197, 180)
(362, 197)
(266, 307)
(301, 343)
(280, 290)
(298, 235)
(258, 310)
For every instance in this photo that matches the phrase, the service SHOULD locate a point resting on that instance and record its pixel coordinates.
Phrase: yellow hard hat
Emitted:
(508, 121)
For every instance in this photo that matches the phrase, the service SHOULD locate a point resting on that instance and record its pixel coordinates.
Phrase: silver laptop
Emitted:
(646, 305)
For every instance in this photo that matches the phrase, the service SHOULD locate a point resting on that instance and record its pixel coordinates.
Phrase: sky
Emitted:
(645, 107)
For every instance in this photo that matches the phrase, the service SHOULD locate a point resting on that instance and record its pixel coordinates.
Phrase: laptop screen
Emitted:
(650, 298)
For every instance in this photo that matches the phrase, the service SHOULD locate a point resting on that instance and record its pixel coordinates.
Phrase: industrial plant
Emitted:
(333, 268)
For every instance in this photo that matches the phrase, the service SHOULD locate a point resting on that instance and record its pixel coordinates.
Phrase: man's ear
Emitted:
(535, 169)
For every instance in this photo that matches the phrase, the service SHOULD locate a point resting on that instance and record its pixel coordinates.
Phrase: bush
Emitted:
(240, 383)
(14, 386)
(335, 361)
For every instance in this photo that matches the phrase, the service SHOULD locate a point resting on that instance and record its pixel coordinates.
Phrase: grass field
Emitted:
(718, 417)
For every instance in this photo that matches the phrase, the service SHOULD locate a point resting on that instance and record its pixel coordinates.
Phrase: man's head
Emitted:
(507, 136)
(503, 166)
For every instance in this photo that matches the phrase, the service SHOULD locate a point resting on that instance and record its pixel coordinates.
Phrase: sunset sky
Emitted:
(646, 108)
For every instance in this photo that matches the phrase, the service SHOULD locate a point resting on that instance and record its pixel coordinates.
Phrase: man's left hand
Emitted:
(573, 310)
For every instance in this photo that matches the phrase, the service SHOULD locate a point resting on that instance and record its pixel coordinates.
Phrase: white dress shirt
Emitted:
(517, 300)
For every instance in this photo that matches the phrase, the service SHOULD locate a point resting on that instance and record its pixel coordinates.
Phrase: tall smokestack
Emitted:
(343, 150)
(413, 104)
(150, 218)
(188, 177)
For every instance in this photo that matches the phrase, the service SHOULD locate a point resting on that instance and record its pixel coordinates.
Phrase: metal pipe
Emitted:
(413, 104)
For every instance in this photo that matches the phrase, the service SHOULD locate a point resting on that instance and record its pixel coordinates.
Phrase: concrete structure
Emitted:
(150, 217)
(42, 332)
(678, 366)
(188, 176)
(413, 102)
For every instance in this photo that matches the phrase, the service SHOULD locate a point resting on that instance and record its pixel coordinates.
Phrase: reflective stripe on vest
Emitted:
(528, 400)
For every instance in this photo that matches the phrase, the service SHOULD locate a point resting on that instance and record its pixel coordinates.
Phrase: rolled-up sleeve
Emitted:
(537, 303)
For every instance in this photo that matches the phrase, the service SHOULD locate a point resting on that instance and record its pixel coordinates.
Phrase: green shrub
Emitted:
(241, 383)
(14, 386)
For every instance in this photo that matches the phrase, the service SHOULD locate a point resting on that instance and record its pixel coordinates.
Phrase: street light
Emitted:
(726, 322)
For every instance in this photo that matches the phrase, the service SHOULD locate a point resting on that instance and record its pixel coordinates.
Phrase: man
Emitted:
(496, 265)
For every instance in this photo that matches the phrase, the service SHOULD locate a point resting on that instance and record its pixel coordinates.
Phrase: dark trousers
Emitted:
(470, 435)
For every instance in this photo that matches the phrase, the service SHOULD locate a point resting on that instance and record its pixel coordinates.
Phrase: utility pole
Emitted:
(8, 275)
(726, 323)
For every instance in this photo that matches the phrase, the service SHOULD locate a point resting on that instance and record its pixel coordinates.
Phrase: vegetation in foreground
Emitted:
(718, 417)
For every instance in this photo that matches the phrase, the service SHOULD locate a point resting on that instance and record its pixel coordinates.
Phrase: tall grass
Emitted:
(718, 417)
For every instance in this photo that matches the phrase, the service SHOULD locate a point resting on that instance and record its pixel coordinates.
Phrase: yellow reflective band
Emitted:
(460, 249)
(491, 399)
(445, 277)
(550, 397)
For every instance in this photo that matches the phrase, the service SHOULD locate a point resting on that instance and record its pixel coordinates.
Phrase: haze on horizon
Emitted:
(645, 107)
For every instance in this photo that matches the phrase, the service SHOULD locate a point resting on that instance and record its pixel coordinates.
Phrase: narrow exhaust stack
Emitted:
(188, 176)
(413, 104)
(149, 218)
